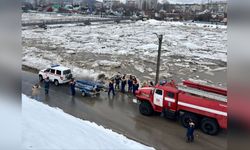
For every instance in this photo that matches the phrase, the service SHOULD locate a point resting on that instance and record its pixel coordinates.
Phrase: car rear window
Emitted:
(66, 72)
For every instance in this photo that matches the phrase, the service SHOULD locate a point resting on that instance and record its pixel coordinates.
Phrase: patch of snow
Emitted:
(219, 69)
(198, 81)
(70, 52)
(107, 63)
(139, 68)
(181, 65)
(150, 69)
(45, 127)
(209, 73)
(40, 63)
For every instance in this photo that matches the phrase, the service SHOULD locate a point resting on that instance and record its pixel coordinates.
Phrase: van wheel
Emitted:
(209, 126)
(185, 119)
(40, 78)
(56, 82)
(146, 108)
(83, 93)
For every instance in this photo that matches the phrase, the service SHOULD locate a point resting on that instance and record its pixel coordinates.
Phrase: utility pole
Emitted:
(160, 37)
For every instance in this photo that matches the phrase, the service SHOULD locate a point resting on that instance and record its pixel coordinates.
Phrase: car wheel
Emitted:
(209, 126)
(40, 78)
(56, 82)
(146, 108)
(185, 119)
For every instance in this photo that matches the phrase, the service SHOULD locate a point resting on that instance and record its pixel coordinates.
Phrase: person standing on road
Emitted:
(130, 83)
(123, 84)
(111, 88)
(190, 131)
(36, 91)
(46, 85)
(72, 84)
(135, 85)
(117, 82)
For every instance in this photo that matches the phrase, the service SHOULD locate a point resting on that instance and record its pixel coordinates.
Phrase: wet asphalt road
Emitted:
(120, 114)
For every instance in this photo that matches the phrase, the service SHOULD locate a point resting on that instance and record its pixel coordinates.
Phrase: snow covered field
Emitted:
(49, 128)
(187, 49)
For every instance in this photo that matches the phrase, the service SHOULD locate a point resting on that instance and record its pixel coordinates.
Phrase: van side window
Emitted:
(58, 72)
(157, 91)
(52, 71)
(170, 94)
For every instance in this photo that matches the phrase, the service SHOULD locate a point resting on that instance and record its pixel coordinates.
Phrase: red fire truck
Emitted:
(205, 105)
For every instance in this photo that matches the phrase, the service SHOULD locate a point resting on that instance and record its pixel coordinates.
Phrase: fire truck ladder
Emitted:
(214, 96)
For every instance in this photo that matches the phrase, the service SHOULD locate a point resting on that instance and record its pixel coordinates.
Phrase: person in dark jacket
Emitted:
(72, 84)
(135, 85)
(46, 85)
(117, 82)
(130, 84)
(190, 131)
(124, 82)
(111, 87)
(151, 83)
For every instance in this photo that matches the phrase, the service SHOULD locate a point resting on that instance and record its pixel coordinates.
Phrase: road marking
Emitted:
(203, 108)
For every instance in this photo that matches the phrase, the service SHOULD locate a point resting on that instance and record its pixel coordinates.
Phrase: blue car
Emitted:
(88, 88)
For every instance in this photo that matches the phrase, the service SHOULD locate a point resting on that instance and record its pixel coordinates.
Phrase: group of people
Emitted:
(121, 82)
(36, 88)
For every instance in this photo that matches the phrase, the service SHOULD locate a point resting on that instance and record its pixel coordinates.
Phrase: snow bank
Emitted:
(107, 63)
(49, 128)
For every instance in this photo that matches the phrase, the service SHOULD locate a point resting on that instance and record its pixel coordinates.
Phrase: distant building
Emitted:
(147, 4)
(110, 3)
(132, 3)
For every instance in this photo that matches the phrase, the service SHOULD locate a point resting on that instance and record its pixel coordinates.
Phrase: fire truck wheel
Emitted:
(146, 108)
(209, 126)
(185, 119)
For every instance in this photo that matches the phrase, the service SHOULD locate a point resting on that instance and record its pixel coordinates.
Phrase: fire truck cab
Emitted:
(205, 105)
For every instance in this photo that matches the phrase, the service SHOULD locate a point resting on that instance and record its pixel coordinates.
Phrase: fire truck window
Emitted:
(52, 71)
(158, 92)
(170, 94)
(58, 72)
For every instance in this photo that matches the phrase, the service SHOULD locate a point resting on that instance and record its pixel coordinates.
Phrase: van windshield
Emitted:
(66, 72)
